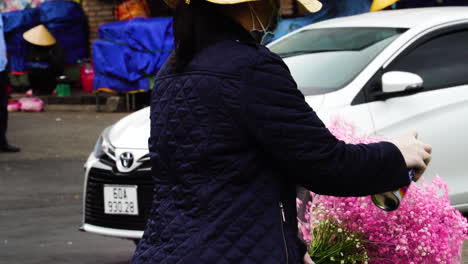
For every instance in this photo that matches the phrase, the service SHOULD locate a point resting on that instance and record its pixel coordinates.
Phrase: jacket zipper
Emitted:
(283, 220)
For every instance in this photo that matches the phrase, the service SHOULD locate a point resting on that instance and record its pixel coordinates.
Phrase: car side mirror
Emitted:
(397, 84)
(398, 81)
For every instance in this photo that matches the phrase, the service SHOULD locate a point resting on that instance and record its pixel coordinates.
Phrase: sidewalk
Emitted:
(83, 102)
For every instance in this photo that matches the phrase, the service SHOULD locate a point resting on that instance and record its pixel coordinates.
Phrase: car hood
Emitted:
(132, 131)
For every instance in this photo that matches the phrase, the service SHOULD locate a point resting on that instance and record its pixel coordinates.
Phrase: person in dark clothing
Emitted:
(231, 139)
(4, 146)
(45, 60)
(45, 64)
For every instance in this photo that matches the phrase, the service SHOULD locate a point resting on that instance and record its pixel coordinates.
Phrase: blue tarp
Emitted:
(20, 20)
(65, 20)
(331, 9)
(115, 60)
(15, 24)
(428, 3)
(120, 85)
(129, 52)
(334, 9)
(113, 32)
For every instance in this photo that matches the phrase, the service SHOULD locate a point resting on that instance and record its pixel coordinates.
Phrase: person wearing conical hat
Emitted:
(231, 138)
(45, 59)
(39, 36)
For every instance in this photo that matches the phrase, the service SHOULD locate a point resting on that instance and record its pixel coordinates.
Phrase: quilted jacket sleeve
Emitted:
(285, 127)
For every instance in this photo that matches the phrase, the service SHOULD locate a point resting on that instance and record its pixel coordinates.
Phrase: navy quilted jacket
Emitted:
(231, 138)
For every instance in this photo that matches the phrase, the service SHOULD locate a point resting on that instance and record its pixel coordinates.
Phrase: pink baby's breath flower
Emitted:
(425, 228)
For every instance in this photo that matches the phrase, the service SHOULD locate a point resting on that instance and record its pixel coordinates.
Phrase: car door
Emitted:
(439, 112)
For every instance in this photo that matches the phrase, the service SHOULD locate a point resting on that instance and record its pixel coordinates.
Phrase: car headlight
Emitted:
(103, 145)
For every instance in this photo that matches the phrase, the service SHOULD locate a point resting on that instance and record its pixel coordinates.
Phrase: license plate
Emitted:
(120, 200)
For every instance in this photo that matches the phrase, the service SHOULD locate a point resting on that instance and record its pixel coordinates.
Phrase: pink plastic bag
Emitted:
(31, 104)
(14, 106)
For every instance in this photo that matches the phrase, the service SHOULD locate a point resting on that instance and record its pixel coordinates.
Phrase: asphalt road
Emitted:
(41, 192)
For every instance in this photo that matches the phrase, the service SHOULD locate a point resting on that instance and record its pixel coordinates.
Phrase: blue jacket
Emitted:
(3, 57)
(231, 138)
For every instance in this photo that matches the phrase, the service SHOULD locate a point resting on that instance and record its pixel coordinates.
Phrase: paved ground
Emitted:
(41, 192)
(465, 253)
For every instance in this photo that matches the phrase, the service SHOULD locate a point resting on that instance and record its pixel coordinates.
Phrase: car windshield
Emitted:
(326, 60)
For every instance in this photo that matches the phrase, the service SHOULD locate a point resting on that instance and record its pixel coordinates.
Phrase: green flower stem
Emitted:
(331, 242)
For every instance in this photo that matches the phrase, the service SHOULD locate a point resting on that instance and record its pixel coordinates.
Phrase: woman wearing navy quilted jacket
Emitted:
(232, 137)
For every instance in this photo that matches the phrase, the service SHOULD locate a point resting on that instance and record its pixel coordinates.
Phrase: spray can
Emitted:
(390, 201)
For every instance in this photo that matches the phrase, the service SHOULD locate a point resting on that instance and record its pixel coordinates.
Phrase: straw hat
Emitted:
(381, 4)
(40, 36)
(312, 6)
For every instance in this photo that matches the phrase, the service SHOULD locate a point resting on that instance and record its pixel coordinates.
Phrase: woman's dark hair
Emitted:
(196, 25)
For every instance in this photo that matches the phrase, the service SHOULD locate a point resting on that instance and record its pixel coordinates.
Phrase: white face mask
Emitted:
(267, 34)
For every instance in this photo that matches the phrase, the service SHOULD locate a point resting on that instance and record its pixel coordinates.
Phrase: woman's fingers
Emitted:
(307, 259)
(427, 157)
(419, 171)
(423, 162)
(416, 153)
(418, 175)
(428, 148)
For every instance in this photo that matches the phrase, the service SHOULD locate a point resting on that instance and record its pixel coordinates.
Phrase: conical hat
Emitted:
(312, 6)
(40, 36)
(381, 4)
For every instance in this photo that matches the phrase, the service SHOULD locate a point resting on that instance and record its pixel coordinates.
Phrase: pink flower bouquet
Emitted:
(425, 228)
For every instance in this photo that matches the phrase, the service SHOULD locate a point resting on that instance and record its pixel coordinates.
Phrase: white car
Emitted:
(388, 72)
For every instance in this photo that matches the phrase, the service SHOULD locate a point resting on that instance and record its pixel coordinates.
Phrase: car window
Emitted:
(326, 60)
(441, 61)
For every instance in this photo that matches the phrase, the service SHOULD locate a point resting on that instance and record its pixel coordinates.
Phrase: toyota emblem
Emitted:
(126, 160)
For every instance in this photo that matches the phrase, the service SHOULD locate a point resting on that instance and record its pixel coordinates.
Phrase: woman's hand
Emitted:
(417, 154)
(307, 259)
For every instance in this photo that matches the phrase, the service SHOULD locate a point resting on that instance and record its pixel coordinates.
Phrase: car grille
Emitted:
(94, 206)
(145, 163)
(108, 161)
